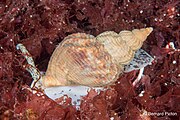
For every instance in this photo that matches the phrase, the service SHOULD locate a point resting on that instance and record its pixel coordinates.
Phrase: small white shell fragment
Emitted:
(141, 94)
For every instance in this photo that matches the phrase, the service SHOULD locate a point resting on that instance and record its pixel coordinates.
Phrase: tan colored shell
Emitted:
(82, 59)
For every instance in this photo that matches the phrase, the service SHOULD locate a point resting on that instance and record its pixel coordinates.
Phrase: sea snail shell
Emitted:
(82, 59)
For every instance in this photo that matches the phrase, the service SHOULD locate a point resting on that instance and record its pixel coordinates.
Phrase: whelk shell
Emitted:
(82, 59)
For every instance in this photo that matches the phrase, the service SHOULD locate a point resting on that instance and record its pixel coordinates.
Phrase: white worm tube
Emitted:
(139, 76)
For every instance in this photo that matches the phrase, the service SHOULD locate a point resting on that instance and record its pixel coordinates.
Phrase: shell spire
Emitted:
(122, 46)
(136, 37)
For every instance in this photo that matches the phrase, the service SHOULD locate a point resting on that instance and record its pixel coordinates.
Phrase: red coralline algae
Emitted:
(42, 24)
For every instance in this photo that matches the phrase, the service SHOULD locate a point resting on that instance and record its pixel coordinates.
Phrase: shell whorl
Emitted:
(122, 46)
(82, 59)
